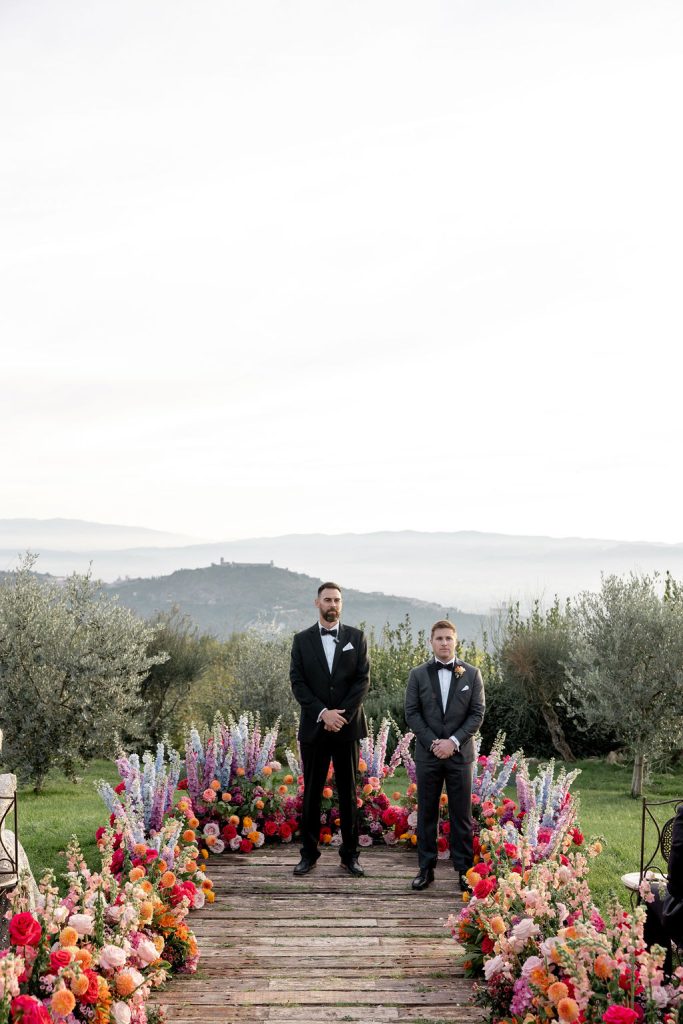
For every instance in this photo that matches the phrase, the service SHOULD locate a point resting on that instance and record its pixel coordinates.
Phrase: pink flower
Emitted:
(209, 796)
(619, 1015)
(112, 957)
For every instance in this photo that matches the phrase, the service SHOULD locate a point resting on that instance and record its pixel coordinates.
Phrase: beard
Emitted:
(331, 616)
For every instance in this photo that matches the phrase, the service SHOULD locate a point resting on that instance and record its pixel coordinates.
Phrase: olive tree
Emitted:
(628, 675)
(71, 662)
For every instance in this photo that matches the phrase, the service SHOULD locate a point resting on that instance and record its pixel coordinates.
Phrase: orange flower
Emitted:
(443, 799)
(80, 983)
(497, 925)
(210, 840)
(140, 849)
(193, 822)
(159, 943)
(327, 838)
(215, 785)
(135, 874)
(210, 896)
(413, 840)
(146, 912)
(83, 957)
(568, 1010)
(367, 789)
(162, 865)
(68, 937)
(240, 772)
(288, 779)
(359, 802)
(247, 823)
(189, 836)
(125, 983)
(62, 1002)
(167, 880)
(465, 897)
(253, 837)
(603, 967)
(412, 788)
(226, 798)
(558, 990)
(233, 820)
(362, 766)
(267, 770)
(282, 790)
(396, 796)
(176, 850)
(205, 854)
(337, 822)
(191, 866)
(327, 793)
(259, 805)
(146, 886)
(538, 976)
(207, 884)
(570, 933)
(167, 921)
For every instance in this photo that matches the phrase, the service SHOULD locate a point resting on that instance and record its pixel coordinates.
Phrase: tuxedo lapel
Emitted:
(317, 647)
(338, 648)
(433, 674)
(455, 684)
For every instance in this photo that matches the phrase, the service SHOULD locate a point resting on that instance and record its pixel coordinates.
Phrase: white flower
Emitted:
(365, 840)
(211, 829)
(120, 1012)
(235, 843)
(146, 952)
(261, 839)
(199, 899)
(390, 838)
(529, 964)
(83, 923)
(660, 996)
(493, 966)
(525, 929)
(112, 957)
(218, 846)
(444, 854)
(275, 765)
(60, 914)
(412, 819)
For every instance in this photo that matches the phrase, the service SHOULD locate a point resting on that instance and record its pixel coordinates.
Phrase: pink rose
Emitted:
(112, 958)
(619, 1015)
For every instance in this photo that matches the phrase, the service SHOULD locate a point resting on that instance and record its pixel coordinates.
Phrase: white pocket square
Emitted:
(464, 688)
(349, 647)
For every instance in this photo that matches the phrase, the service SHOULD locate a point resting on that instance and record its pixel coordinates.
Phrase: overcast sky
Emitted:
(314, 266)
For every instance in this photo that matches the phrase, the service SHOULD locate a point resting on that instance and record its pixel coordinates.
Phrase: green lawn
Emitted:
(47, 821)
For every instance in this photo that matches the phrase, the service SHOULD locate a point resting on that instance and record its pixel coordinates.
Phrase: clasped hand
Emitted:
(443, 748)
(334, 720)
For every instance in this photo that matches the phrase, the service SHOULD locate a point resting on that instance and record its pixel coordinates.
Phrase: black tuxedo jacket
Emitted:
(673, 900)
(429, 720)
(316, 688)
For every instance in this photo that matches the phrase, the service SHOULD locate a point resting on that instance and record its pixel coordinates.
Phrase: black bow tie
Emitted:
(329, 632)
(449, 667)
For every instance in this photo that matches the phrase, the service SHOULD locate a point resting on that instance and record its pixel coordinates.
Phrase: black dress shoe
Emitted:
(353, 867)
(423, 878)
(304, 866)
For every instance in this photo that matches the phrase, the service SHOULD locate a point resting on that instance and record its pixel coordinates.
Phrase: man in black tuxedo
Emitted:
(664, 917)
(444, 708)
(330, 676)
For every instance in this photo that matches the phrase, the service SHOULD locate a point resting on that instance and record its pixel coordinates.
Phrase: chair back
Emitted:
(655, 834)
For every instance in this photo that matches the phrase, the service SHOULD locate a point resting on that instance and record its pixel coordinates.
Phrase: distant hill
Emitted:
(223, 599)
(463, 569)
(80, 535)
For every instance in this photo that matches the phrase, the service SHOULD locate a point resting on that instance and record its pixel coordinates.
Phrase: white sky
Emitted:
(282, 267)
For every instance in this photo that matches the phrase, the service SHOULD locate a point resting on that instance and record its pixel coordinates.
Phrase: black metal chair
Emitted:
(656, 829)
(9, 854)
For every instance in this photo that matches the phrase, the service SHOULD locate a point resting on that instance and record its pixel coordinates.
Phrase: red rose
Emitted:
(182, 784)
(285, 830)
(446, 828)
(510, 849)
(24, 930)
(483, 888)
(246, 846)
(389, 816)
(229, 832)
(181, 891)
(100, 832)
(442, 843)
(476, 844)
(619, 1015)
(29, 1010)
(270, 828)
(60, 958)
(483, 869)
(487, 945)
(117, 860)
(120, 788)
(92, 993)
(577, 836)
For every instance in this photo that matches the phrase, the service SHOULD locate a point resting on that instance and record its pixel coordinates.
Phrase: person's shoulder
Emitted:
(353, 631)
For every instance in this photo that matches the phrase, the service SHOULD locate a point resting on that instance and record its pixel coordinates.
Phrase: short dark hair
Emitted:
(328, 586)
(444, 624)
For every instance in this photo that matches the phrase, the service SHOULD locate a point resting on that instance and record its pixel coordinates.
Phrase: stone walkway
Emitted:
(326, 947)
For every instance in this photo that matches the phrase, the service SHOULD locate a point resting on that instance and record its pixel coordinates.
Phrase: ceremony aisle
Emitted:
(326, 947)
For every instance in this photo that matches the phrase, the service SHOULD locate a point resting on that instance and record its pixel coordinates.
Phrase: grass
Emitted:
(47, 821)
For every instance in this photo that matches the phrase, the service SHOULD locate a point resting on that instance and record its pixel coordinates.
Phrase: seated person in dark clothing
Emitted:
(664, 921)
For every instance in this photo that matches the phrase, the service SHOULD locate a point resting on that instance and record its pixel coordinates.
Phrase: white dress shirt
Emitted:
(445, 679)
(329, 644)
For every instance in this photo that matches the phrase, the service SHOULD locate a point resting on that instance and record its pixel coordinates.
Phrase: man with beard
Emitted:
(330, 676)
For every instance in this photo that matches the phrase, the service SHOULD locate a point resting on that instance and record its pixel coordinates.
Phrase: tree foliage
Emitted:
(71, 661)
(629, 672)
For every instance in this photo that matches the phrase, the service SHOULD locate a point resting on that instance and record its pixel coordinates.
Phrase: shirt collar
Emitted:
(337, 627)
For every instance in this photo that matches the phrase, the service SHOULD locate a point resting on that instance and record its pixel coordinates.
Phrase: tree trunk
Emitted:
(559, 740)
(638, 775)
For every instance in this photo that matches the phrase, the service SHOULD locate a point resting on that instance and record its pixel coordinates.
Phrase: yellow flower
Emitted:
(247, 823)
(68, 937)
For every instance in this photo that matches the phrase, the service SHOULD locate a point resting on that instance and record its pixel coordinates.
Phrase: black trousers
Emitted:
(431, 776)
(316, 762)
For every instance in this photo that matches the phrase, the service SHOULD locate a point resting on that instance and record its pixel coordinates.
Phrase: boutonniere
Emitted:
(459, 671)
